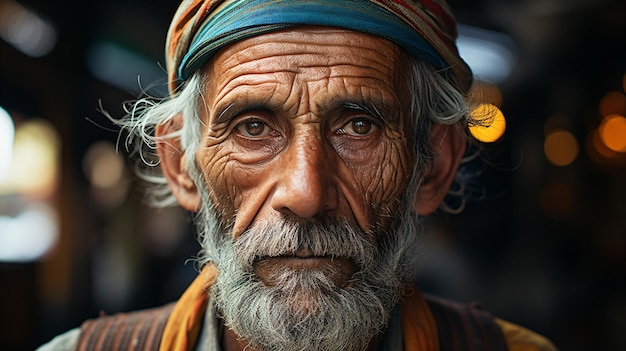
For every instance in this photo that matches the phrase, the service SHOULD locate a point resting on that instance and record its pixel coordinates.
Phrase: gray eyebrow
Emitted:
(223, 114)
(369, 108)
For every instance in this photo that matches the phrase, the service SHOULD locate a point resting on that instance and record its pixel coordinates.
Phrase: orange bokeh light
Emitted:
(613, 132)
(561, 147)
(491, 131)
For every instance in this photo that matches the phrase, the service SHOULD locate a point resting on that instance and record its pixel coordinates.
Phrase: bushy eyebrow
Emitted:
(370, 109)
(239, 106)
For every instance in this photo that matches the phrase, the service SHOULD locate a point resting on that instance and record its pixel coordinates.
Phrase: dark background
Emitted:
(545, 247)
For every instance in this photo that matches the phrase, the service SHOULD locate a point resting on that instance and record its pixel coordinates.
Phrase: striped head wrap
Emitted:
(424, 28)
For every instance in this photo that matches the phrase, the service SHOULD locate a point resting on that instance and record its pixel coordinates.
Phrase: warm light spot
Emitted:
(613, 132)
(613, 102)
(494, 123)
(102, 165)
(560, 147)
(34, 170)
(7, 134)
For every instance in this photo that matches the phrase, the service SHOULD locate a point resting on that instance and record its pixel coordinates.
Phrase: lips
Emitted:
(337, 269)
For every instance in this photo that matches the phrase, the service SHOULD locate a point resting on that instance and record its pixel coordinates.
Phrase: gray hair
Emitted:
(433, 94)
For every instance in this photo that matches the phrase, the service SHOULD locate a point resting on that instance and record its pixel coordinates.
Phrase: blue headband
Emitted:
(242, 19)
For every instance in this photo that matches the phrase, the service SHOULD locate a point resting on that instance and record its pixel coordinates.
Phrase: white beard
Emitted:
(274, 318)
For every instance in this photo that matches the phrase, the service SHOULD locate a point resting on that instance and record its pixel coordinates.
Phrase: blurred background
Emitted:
(541, 240)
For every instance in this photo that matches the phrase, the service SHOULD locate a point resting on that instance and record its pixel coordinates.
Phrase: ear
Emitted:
(448, 144)
(173, 165)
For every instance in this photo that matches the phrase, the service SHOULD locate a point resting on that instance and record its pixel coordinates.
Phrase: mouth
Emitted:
(338, 269)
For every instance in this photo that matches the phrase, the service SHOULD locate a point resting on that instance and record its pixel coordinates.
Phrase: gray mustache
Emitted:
(320, 237)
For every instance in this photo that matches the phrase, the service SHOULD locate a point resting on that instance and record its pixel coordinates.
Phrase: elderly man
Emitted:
(309, 137)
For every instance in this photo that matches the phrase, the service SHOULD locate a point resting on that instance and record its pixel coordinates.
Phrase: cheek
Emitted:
(385, 177)
(229, 180)
(213, 161)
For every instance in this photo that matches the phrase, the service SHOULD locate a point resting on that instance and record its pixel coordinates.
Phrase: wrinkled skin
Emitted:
(306, 123)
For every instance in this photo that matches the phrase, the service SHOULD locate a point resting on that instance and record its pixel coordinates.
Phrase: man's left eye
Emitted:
(254, 129)
(359, 127)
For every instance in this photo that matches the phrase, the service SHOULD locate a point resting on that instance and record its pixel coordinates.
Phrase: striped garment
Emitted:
(424, 28)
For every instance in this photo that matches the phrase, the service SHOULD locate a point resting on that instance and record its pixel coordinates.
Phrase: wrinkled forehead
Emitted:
(425, 29)
(303, 46)
(329, 63)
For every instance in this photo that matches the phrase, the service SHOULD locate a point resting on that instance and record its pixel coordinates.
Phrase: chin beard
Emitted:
(305, 309)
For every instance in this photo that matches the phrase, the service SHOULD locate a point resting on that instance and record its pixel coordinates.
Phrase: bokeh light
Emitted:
(490, 54)
(102, 165)
(494, 123)
(34, 170)
(30, 234)
(7, 134)
(26, 30)
(106, 171)
(613, 132)
(561, 147)
(613, 102)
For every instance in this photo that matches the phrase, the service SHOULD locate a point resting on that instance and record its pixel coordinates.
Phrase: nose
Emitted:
(305, 184)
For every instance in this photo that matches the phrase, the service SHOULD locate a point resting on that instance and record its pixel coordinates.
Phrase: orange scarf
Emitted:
(183, 326)
(419, 328)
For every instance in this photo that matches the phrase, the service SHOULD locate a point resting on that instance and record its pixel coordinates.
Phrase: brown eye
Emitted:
(254, 129)
(359, 127)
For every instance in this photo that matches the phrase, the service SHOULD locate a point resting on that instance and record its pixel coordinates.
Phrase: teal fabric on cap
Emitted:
(242, 19)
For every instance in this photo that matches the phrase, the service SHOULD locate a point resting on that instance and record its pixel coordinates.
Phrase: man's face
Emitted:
(306, 162)
(306, 123)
